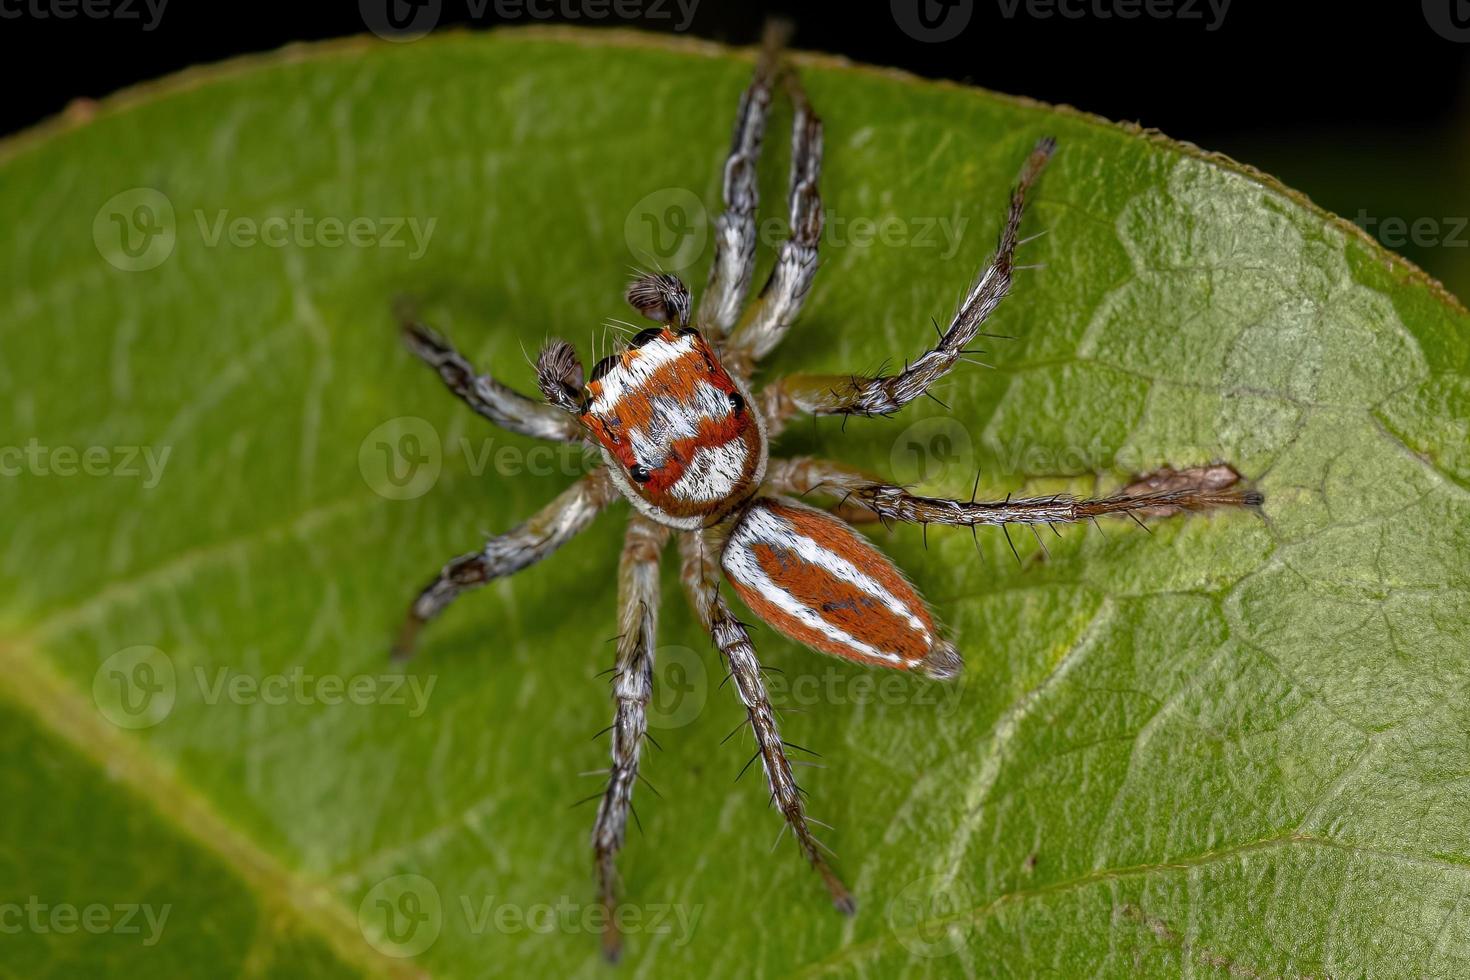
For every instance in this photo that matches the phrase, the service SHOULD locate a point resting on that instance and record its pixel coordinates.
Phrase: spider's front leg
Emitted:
(834, 394)
(497, 402)
(505, 554)
(781, 298)
(701, 576)
(632, 688)
(735, 231)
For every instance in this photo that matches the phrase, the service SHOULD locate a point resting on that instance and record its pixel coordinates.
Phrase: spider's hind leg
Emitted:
(1164, 494)
(701, 575)
(632, 688)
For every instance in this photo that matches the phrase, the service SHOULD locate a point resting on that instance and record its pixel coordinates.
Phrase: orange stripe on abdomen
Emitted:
(813, 578)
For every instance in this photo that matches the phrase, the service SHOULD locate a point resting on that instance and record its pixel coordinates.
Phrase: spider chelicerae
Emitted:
(683, 438)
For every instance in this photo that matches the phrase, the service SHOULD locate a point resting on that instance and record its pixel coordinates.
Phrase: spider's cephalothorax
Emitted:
(677, 431)
(683, 438)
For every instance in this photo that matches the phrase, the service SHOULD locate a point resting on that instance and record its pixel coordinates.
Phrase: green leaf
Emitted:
(1234, 747)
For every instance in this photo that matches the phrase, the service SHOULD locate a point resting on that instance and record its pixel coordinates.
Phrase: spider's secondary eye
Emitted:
(688, 332)
(737, 403)
(644, 336)
(639, 472)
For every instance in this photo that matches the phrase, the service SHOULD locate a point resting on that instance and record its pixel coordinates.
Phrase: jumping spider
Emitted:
(683, 438)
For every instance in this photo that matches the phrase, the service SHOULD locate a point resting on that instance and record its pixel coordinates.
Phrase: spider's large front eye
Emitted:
(639, 472)
(737, 403)
(602, 367)
(643, 337)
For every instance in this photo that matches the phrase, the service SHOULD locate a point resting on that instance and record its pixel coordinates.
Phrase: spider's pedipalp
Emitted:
(502, 405)
(884, 394)
(632, 688)
(700, 573)
(661, 297)
(559, 374)
(505, 554)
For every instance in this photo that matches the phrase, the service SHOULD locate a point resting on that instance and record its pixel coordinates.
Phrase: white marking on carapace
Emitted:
(713, 472)
(632, 373)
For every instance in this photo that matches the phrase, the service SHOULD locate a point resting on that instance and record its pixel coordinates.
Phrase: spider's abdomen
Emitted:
(818, 581)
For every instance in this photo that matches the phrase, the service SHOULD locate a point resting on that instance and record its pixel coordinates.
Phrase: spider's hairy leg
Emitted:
(886, 393)
(781, 298)
(1168, 492)
(505, 554)
(632, 688)
(701, 574)
(735, 232)
(502, 405)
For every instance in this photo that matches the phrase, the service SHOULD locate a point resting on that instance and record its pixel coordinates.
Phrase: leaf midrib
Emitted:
(29, 681)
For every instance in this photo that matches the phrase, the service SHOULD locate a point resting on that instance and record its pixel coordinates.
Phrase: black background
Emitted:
(1268, 66)
(1362, 106)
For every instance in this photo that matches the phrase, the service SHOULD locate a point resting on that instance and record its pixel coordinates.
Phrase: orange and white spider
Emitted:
(683, 438)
